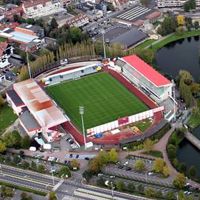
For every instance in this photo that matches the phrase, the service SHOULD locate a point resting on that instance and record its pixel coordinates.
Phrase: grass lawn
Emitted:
(157, 154)
(174, 37)
(7, 117)
(144, 44)
(103, 97)
(143, 125)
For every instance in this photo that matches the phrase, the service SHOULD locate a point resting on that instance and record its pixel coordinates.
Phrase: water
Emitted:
(189, 154)
(182, 54)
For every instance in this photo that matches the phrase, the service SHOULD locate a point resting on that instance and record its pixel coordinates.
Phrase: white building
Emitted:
(39, 8)
(173, 3)
(5, 53)
(151, 82)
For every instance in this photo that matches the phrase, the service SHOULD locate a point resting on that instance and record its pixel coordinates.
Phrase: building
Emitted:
(145, 77)
(123, 35)
(173, 3)
(38, 114)
(137, 15)
(34, 30)
(5, 53)
(78, 21)
(40, 8)
(20, 36)
(9, 13)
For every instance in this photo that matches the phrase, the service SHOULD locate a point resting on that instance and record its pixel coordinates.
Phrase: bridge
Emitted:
(194, 140)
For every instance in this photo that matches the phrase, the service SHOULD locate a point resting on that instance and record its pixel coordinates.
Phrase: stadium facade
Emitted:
(36, 111)
(147, 79)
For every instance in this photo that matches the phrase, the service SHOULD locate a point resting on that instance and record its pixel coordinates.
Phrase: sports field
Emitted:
(102, 96)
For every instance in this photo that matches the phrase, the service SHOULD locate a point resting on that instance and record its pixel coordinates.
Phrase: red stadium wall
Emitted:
(150, 103)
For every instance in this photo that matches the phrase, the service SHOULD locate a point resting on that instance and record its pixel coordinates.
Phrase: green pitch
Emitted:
(103, 97)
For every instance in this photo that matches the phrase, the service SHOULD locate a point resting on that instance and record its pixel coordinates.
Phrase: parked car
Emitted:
(71, 155)
(86, 158)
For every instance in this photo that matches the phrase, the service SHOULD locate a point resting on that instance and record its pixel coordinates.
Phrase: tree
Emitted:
(6, 192)
(140, 188)
(52, 196)
(131, 187)
(192, 171)
(1, 101)
(158, 165)
(180, 20)
(33, 165)
(53, 24)
(74, 164)
(146, 54)
(171, 150)
(196, 25)
(166, 171)
(113, 156)
(2, 146)
(120, 185)
(170, 196)
(168, 26)
(189, 5)
(150, 192)
(64, 172)
(13, 139)
(25, 196)
(182, 167)
(148, 145)
(179, 181)
(41, 168)
(25, 142)
(139, 165)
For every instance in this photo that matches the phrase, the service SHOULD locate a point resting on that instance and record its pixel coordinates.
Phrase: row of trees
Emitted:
(96, 164)
(188, 88)
(14, 140)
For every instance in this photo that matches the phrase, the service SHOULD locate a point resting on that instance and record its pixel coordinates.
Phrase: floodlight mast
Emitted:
(81, 111)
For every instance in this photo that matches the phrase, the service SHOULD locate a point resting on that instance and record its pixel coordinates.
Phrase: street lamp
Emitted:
(112, 189)
(81, 111)
(52, 177)
(104, 47)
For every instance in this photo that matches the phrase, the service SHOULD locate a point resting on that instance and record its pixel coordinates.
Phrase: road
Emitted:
(27, 178)
(71, 189)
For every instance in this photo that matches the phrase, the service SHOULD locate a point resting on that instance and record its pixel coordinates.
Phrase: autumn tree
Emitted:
(2, 146)
(158, 165)
(179, 181)
(139, 165)
(1, 101)
(113, 155)
(148, 145)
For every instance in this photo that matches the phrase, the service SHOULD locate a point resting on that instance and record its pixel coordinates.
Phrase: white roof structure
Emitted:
(39, 104)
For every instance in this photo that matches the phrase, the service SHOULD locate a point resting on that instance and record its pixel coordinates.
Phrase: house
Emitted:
(9, 13)
(37, 113)
(31, 30)
(40, 8)
(5, 53)
(78, 21)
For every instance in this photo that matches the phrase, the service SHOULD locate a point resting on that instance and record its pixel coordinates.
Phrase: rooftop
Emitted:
(15, 98)
(146, 70)
(39, 104)
(29, 121)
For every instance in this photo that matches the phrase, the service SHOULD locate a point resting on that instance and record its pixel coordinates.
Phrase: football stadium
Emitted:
(119, 98)
(103, 97)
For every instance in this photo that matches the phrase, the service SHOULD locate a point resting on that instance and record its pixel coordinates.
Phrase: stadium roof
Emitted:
(39, 104)
(146, 70)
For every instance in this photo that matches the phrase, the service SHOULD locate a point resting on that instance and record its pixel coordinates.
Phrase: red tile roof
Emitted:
(3, 46)
(31, 3)
(146, 70)
(153, 15)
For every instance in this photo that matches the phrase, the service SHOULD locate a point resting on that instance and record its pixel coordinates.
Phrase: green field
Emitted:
(102, 96)
(7, 117)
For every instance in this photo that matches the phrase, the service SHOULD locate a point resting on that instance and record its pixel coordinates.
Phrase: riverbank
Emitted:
(156, 45)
